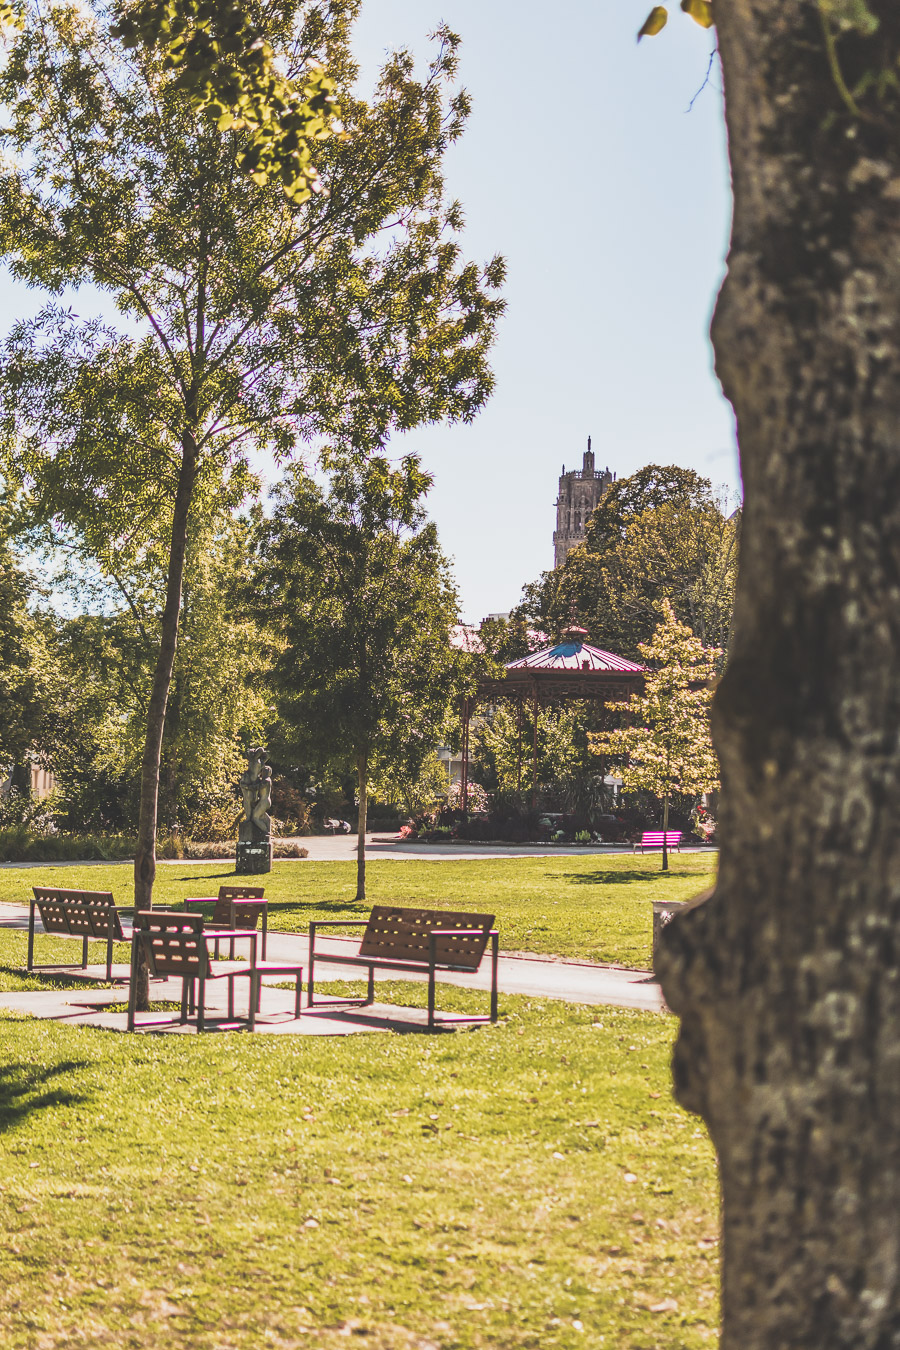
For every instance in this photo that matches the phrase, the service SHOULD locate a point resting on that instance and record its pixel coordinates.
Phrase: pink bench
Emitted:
(654, 839)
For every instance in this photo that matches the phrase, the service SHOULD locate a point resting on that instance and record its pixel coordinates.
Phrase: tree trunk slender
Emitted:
(785, 978)
(362, 768)
(665, 849)
(145, 857)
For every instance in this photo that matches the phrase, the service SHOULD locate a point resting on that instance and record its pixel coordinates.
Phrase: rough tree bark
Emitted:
(145, 856)
(787, 979)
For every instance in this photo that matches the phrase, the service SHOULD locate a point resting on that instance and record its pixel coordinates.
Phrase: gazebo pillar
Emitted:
(534, 753)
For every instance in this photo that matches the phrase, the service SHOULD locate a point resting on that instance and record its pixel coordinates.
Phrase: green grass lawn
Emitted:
(596, 908)
(526, 1185)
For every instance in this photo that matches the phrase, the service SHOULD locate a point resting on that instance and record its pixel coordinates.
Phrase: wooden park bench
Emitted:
(422, 941)
(654, 839)
(176, 945)
(79, 914)
(235, 907)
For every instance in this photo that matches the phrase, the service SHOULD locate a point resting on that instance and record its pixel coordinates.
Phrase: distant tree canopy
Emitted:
(357, 597)
(99, 670)
(661, 534)
(21, 647)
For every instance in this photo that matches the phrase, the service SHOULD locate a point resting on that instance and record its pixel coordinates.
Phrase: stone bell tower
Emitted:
(579, 492)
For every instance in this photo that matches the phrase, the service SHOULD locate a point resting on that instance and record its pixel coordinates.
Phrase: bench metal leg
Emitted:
(201, 1001)
(254, 982)
(495, 952)
(30, 960)
(370, 995)
(184, 999)
(298, 993)
(265, 932)
(109, 946)
(132, 983)
(431, 998)
(312, 966)
(84, 943)
(231, 998)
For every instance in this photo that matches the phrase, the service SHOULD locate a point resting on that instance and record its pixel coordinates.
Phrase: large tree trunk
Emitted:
(362, 766)
(145, 857)
(786, 979)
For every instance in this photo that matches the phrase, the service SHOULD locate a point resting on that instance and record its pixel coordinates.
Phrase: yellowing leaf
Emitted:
(655, 22)
(700, 11)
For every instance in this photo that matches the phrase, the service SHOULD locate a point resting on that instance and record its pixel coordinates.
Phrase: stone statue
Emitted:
(256, 789)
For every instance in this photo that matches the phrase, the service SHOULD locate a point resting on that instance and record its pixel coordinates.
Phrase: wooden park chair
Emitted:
(235, 907)
(420, 941)
(175, 945)
(78, 914)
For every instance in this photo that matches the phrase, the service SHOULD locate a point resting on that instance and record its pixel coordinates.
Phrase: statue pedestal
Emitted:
(253, 857)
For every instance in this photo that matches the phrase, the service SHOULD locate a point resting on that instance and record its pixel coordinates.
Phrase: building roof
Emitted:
(571, 669)
(572, 654)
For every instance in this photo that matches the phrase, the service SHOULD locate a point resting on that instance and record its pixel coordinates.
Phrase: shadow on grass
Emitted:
(610, 878)
(195, 880)
(23, 1090)
(337, 907)
(48, 979)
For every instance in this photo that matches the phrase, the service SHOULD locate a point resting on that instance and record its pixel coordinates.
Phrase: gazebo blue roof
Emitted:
(572, 654)
(570, 669)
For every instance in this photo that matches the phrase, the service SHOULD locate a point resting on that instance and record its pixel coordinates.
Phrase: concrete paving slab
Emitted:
(107, 1009)
(530, 975)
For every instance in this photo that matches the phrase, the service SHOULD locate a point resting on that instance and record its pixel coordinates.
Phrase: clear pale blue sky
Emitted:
(611, 204)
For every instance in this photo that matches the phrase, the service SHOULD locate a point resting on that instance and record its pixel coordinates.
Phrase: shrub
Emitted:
(281, 848)
(19, 843)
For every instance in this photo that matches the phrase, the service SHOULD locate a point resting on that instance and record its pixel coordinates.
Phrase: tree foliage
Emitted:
(354, 588)
(231, 74)
(665, 746)
(660, 534)
(23, 657)
(251, 320)
(100, 670)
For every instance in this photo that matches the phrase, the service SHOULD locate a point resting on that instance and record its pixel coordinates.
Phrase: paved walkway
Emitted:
(342, 848)
(533, 976)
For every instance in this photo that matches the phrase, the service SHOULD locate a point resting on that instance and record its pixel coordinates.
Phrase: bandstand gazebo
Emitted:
(570, 671)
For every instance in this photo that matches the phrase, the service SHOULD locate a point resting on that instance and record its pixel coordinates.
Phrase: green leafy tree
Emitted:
(660, 534)
(23, 659)
(231, 74)
(503, 748)
(665, 746)
(357, 594)
(415, 792)
(100, 673)
(261, 321)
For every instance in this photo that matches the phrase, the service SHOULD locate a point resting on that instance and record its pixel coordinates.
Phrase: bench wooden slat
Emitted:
(78, 913)
(174, 944)
(416, 940)
(245, 916)
(403, 934)
(75, 913)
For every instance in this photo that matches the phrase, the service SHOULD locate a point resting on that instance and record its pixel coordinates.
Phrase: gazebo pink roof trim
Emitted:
(572, 655)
